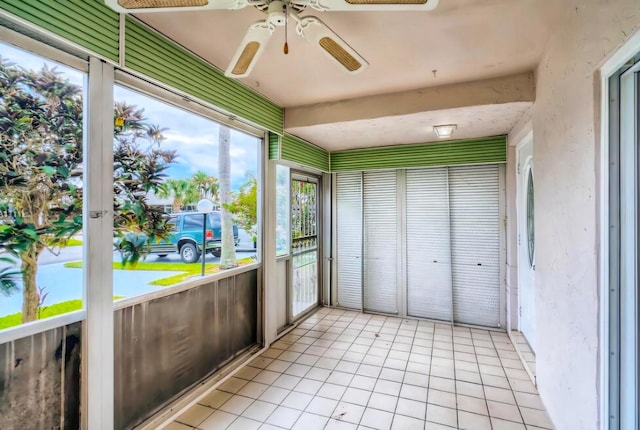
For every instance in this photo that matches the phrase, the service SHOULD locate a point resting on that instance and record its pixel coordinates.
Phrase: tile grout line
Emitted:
(433, 336)
(455, 378)
(484, 394)
(342, 395)
(508, 382)
(378, 377)
(395, 409)
(404, 372)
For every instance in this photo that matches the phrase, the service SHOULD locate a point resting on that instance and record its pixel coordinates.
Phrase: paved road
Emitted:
(64, 284)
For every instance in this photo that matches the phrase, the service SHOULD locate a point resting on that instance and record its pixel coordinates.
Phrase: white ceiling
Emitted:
(473, 121)
(464, 40)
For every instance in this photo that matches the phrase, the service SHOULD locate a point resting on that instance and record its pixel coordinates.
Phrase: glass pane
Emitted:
(530, 219)
(282, 210)
(41, 185)
(166, 161)
(304, 246)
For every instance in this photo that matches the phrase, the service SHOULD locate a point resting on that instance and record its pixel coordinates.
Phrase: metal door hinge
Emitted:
(518, 168)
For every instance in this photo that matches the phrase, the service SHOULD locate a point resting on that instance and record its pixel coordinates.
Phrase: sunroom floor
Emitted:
(347, 370)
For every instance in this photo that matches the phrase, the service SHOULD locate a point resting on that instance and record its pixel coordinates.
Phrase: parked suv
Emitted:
(187, 236)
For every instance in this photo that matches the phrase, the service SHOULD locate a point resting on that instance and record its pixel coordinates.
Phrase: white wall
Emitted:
(564, 119)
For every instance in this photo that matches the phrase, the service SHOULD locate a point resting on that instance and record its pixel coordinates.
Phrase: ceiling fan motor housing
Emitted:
(277, 13)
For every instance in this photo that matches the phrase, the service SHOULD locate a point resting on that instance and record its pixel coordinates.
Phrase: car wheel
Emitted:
(189, 253)
(217, 252)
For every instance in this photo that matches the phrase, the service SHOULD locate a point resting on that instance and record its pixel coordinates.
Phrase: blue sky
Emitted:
(194, 137)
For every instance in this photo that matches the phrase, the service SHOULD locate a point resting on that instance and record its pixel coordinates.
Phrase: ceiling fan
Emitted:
(278, 13)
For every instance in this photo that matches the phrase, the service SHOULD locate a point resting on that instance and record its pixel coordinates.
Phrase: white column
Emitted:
(98, 344)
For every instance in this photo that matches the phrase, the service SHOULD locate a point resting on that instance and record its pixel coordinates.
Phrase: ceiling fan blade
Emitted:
(373, 5)
(317, 33)
(250, 50)
(144, 6)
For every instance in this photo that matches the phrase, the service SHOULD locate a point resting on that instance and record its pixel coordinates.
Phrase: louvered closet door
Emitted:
(427, 241)
(380, 241)
(349, 239)
(475, 244)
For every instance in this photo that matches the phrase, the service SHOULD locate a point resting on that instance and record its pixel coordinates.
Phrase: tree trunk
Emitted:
(30, 297)
(176, 206)
(228, 258)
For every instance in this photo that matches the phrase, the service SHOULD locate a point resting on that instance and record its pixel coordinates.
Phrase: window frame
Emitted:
(98, 365)
(531, 235)
(162, 93)
(287, 251)
(619, 182)
(47, 52)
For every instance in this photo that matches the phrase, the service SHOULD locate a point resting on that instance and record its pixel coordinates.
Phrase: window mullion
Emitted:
(98, 398)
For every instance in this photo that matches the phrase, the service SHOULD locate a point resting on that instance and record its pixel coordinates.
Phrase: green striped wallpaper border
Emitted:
(153, 55)
(305, 153)
(87, 23)
(453, 152)
(274, 146)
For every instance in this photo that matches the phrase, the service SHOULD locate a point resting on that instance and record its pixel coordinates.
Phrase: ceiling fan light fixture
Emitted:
(150, 4)
(444, 131)
(334, 49)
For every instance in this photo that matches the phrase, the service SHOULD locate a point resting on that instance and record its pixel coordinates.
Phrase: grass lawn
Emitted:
(188, 269)
(73, 242)
(47, 312)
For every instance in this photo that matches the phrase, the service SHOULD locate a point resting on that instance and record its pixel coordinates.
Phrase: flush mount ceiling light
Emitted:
(278, 13)
(444, 131)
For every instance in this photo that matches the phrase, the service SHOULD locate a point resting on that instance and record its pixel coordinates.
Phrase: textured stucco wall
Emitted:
(565, 152)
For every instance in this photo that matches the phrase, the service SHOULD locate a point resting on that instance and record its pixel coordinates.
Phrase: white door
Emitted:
(349, 239)
(428, 247)
(474, 202)
(526, 242)
(380, 241)
(304, 291)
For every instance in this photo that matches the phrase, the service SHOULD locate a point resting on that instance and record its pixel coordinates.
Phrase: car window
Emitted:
(214, 219)
(192, 222)
(173, 222)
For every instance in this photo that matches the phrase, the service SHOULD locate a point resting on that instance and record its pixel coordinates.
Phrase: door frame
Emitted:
(609, 125)
(523, 167)
(303, 176)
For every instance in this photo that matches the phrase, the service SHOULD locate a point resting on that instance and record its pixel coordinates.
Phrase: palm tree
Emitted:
(183, 191)
(228, 258)
(208, 186)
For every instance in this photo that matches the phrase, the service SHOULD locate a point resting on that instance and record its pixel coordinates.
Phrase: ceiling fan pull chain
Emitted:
(286, 29)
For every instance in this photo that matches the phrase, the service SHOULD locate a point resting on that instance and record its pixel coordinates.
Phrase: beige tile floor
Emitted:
(346, 370)
(522, 346)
